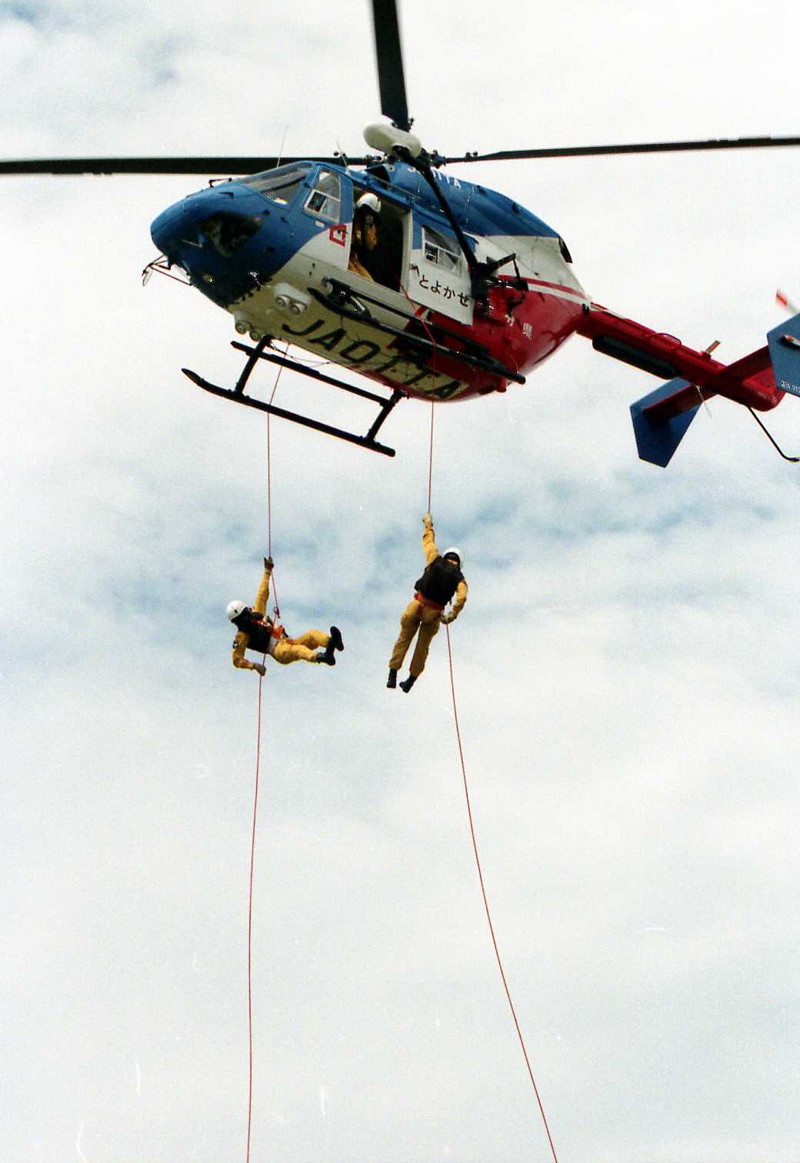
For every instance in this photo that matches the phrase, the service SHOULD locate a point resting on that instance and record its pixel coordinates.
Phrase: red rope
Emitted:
(477, 854)
(250, 929)
(269, 487)
(486, 905)
(430, 461)
(269, 468)
(255, 803)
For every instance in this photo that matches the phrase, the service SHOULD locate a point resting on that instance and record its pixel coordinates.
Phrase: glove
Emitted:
(427, 519)
(446, 619)
(269, 564)
(259, 666)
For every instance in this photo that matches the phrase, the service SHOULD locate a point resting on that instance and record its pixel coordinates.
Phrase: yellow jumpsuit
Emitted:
(282, 648)
(359, 247)
(423, 616)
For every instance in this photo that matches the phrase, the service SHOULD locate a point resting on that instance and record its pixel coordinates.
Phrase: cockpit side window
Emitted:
(440, 250)
(325, 200)
(279, 185)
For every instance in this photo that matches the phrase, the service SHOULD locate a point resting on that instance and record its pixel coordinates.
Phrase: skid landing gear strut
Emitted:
(254, 354)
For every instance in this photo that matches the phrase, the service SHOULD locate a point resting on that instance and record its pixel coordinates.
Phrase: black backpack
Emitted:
(440, 581)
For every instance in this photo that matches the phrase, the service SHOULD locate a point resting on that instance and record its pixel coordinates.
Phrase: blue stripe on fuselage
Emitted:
(479, 211)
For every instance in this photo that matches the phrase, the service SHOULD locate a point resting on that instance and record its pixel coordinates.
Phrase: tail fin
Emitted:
(657, 439)
(784, 351)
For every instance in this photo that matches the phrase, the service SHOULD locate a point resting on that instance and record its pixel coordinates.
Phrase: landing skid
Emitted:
(258, 352)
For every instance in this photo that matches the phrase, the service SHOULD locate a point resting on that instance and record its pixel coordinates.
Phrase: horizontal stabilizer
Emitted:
(784, 351)
(657, 436)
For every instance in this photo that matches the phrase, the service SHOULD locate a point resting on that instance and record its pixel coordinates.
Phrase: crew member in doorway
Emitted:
(256, 631)
(439, 583)
(374, 253)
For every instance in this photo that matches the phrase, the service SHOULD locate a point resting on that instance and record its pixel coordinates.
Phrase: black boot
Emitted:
(391, 681)
(336, 639)
(407, 685)
(326, 656)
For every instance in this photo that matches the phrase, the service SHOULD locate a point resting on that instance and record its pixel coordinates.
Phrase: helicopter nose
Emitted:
(215, 216)
(208, 235)
(167, 228)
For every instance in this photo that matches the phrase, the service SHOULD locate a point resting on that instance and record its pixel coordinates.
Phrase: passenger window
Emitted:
(440, 250)
(325, 200)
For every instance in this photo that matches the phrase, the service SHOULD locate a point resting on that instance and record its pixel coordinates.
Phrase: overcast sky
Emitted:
(626, 667)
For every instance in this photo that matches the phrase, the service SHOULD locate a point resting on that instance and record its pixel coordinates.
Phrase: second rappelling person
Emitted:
(441, 581)
(256, 631)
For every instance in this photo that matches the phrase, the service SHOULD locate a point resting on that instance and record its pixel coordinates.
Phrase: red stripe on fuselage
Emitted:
(560, 288)
(519, 328)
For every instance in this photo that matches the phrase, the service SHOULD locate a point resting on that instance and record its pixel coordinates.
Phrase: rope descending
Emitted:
(255, 802)
(473, 836)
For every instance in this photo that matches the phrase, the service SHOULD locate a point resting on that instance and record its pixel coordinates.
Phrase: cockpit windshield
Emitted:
(281, 184)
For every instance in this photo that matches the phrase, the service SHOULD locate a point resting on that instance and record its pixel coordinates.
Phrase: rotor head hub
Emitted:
(388, 139)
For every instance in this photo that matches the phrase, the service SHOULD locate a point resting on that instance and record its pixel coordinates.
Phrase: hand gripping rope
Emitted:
(473, 837)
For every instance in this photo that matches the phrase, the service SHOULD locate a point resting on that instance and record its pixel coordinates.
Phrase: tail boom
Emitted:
(748, 381)
(660, 420)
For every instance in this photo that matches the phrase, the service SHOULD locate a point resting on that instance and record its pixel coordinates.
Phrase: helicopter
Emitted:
(463, 292)
(426, 285)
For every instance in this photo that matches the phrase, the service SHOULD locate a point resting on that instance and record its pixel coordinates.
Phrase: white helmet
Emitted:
(453, 552)
(369, 202)
(235, 609)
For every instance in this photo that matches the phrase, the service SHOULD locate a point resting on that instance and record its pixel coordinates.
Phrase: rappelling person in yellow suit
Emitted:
(256, 631)
(441, 582)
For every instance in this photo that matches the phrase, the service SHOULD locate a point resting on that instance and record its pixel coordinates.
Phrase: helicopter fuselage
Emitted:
(283, 253)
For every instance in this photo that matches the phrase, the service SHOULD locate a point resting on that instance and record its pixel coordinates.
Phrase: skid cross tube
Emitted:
(257, 353)
(238, 396)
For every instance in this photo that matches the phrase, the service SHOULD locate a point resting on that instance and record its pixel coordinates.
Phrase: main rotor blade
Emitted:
(391, 78)
(642, 147)
(252, 165)
(159, 165)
